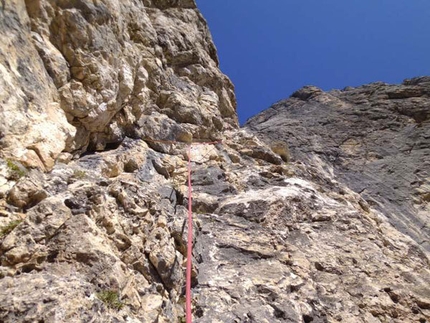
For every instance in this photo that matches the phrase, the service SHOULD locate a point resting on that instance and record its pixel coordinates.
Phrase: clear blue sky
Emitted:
(270, 48)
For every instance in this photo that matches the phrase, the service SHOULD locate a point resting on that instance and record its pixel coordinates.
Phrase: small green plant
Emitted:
(5, 230)
(111, 299)
(79, 174)
(16, 171)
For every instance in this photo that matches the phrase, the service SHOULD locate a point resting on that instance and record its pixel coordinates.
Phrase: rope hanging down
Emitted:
(190, 243)
(190, 223)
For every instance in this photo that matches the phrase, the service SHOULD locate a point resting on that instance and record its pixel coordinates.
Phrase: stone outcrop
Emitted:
(274, 242)
(288, 243)
(93, 193)
(374, 138)
(107, 225)
(82, 75)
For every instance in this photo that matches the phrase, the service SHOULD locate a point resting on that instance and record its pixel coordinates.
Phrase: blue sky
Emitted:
(270, 48)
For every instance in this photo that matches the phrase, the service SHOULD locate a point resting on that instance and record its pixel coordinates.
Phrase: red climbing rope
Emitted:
(190, 243)
(190, 222)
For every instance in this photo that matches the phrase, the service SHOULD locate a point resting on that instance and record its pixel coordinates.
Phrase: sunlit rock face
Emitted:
(375, 138)
(91, 73)
(93, 210)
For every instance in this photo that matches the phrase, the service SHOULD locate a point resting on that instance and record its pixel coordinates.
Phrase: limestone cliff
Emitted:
(374, 138)
(93, 210)
(80, 75)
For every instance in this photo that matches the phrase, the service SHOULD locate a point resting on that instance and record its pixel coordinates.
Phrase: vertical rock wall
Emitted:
(375, 138)
(93, 212)
(89, 73)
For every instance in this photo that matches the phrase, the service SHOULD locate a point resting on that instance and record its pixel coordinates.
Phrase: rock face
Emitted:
(80, 75)
(93, 192)
(374, 138)
(288, 243)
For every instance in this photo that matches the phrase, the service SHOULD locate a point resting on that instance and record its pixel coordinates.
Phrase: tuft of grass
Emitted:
(280, 148)
(79, 174)
(8, 228)
(16, 171)
(111, 299)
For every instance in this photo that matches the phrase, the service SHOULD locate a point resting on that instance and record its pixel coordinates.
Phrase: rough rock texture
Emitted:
(374, 138)
(107, 224)
(93, 210)
(288, 243)
(274, 242)
(80, 75)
